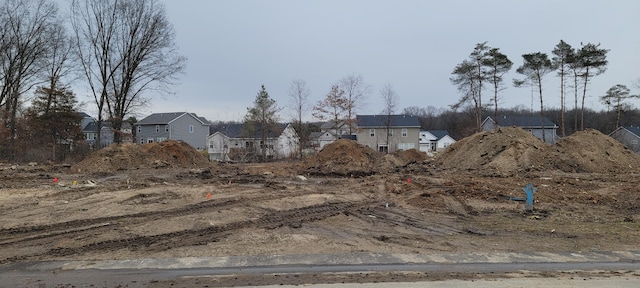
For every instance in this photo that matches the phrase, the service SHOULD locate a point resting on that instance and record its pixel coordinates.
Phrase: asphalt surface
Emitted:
(169, 272)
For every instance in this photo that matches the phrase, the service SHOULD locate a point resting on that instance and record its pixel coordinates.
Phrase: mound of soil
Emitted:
(508, 151)
(591, 151)
(343, 158)
(127, 156)
(504, 151)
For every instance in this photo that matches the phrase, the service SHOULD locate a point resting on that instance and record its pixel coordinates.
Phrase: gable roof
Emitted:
(236, 131)
(93, 126)
(166, 118)
(439, 134)
(522, 121)
(632, 130)
(381, 121)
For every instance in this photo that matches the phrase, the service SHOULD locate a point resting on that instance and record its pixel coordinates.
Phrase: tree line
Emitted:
(575, 68)
(118, 50)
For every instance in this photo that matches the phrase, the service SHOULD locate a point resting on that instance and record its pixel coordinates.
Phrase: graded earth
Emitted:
(165, 200)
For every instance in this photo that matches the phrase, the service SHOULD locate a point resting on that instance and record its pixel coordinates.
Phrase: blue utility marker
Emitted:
(529, 189)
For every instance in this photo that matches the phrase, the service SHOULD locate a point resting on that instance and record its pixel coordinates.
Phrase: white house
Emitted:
(330, 132)
(435, 140)
(232, 143)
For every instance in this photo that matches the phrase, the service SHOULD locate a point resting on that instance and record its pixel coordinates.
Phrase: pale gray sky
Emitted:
(234, 46)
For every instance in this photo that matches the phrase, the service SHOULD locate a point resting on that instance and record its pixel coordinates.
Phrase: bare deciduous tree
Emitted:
(299, 103)
(25, 27)
(355, 91)
(126, 48)
(332, 108)
(390, 101)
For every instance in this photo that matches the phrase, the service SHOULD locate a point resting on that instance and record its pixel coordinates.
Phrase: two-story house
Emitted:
(388, 133)
(435, 140)
(231, 142)
(541, 127)
(90, 132)
(179, 126)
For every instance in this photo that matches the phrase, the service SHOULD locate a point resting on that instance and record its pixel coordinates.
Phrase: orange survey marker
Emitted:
(209, 195)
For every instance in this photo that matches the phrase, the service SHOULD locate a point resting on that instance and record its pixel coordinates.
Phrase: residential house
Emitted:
(179, 126)
(388, 133)
(629, 136)
(90, 132)
(330, 131)
(233, 143)
(541, 127)
(434, 140)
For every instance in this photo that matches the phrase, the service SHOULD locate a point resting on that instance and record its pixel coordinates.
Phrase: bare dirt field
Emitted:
(166, 200)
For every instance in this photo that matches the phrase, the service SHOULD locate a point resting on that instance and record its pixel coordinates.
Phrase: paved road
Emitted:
(158, 272)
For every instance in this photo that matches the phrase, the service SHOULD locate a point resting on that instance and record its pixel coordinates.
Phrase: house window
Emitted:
(372, 132)
(160, 139)
(190, 128)
(406, 146)
(141, 140)
(139, 129)
(390, 132)
(166, 128)
(150, 140)
(157, 128)
(634, 142)
(404, 132)
(225, 146)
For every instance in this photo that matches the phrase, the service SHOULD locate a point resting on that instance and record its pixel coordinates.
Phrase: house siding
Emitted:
(627, 138)
(396, 140)
(178, 129)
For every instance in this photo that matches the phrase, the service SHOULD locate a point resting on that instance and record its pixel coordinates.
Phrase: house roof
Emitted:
(93, 126)
(633, 130)
(439, 134)
(237, 131)
(84, 115)
(381, 120)
(522, 121)
(166, 118)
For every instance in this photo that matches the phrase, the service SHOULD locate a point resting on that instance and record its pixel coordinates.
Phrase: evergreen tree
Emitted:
(593, 61)
(498, 64)
(535, 66)
(563, 56)
(262, 118)
(53, 120)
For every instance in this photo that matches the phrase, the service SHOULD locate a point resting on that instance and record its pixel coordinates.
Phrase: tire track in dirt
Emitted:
(12, 236)
(202, 236)
(440, 228)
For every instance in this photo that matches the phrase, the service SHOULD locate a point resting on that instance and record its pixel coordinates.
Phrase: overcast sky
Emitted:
(234, 46)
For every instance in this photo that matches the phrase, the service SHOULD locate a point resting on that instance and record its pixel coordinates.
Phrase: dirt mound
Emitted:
(344, 157)
(504, 151)
(591, 151)
(411, 155)
(127, 156)
(509, 151)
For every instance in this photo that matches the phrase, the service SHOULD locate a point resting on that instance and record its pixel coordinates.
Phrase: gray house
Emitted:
(541, 127)
(90, 132)
(180, 126)
(388, 133)
(629, 136)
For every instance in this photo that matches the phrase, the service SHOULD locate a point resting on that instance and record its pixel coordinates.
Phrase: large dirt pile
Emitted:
(344, 158)
(509, 151)
(133, 156)
(503, 151)
(593, 152)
